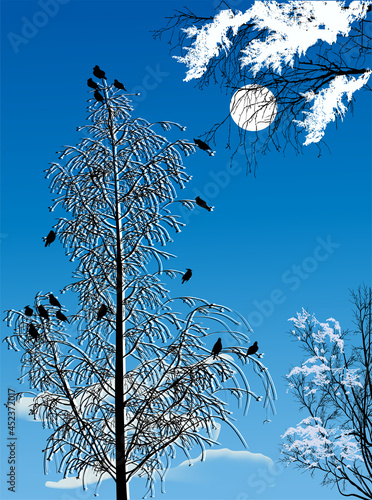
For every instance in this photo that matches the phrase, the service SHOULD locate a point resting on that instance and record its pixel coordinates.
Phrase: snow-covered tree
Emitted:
(313, 56)
(334, 388)
(130, 379)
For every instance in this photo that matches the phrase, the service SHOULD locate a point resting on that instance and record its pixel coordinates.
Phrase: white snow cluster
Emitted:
(292, 29)
(315, 441)
(327, 104)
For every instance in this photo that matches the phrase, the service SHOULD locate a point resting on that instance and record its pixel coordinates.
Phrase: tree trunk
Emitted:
(122, 491)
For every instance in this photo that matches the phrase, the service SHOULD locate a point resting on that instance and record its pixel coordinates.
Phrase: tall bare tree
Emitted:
(136, 381)
(305, 53)
(334, 388)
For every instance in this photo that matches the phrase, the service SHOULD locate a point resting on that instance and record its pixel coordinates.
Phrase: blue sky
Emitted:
(242, 254)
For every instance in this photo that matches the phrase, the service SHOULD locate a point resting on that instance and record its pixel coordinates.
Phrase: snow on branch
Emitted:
(327, 104)
(288, 29)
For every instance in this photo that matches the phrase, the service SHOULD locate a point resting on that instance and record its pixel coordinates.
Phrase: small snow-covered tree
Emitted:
(130, 380)
(334, 388)
(313, 56)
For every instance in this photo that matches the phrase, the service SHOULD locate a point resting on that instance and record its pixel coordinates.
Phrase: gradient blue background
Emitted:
(260, 227)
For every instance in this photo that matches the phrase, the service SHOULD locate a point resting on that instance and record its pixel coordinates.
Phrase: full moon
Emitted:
(253, 107)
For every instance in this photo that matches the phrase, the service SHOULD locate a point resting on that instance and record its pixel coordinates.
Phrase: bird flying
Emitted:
(101, 311)
(53, 301)
(119, 85)
(28, 311)
(61, 316)
(43, 312)
(252, 349)
(33, 332)
(92, 84)
(97, 72)
(217, 348)
(203, 204)
(50, 238)
(187, 275)
(98, 96)
(203, 146)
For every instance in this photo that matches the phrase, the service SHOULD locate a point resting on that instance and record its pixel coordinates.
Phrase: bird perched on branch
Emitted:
(97, 72)
(203, 204)
(28, 311)
(92, 84)
(33, 332)
(187, 275)
(53, 301)
(98, 97)
(217, 348)
(252, 349)
(43, 312)
(101, 311)
(119, 85)
(50, 238)
(61, 316)
(202, 145)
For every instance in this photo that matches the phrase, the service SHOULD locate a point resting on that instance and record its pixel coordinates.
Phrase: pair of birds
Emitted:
(217, 348)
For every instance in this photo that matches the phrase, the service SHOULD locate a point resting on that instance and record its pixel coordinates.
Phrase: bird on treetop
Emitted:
(97, 72)
(43, 312)
(61, 316)
(53, 301)
(28, 311)
(217, 348)
(187, 275)
(119, 85)
(50, 238)
(201, 203)
(101, 311)
(252, 349)
(33, 332)
(204, 147)
(98, 96)
(92, 84)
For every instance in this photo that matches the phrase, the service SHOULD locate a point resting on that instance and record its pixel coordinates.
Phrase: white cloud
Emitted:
(244, 459)
(22, 408)
(75, 482)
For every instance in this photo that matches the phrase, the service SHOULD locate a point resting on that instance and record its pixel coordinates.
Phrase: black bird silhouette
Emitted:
(43, 312)
(53, 301)
(187, 275)
(203, 146)
(61, 316)
(92, 84)
(33, 332)
(217, 348)
(98, 96)
(119, 85)
(28, 311)
(252, 349)
(99, 73)
(50, 238)
(101, 311)
(203, 204)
